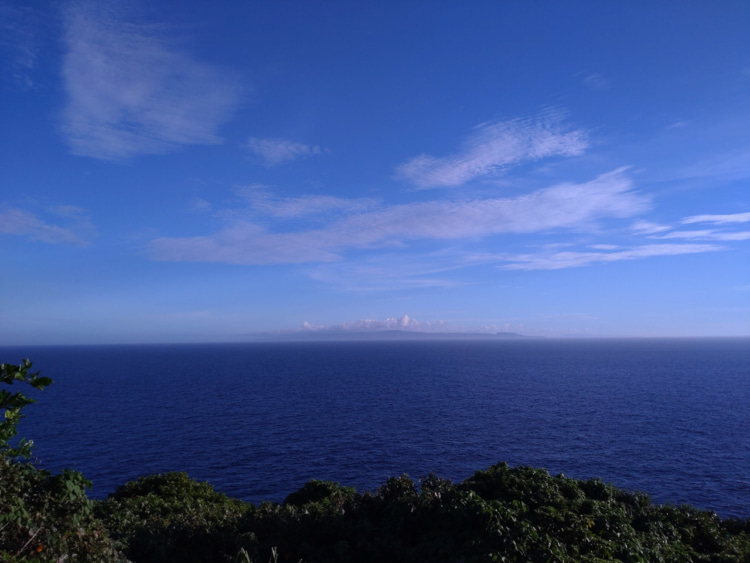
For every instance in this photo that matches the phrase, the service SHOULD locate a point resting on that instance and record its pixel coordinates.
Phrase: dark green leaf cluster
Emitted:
(46, 517)
(43, 517)
(12, 403)
(173, 518)
(499, 514)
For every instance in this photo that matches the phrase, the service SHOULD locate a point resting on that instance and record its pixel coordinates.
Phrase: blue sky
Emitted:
(195, 171)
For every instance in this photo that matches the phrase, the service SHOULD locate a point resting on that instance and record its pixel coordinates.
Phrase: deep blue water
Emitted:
(668, 417)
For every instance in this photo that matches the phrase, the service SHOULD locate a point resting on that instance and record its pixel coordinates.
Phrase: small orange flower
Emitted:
(39, 548)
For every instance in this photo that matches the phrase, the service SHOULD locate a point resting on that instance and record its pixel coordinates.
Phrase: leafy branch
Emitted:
(13, 403)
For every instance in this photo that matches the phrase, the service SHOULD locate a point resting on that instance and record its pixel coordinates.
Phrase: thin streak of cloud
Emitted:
(69, 211)
(596, 81)
(493, 147)
(273, 152)
(389, 271)
(733, 165)
(561, 260)
(706, 234)
(677, 125)
(199, 205)
(717, 219)
(130, 92)
(263, 202)
(648, 228)
(565, 206)
(243, 243)
(22, 223)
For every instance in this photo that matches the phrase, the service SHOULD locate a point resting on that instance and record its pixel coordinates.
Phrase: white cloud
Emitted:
(376, 325)
(565, 206)
(656, 231)
(717, 219)
(493, 147)
(130, 92)
(706, 235)
(275, 151)
(22, 223)
(648, 228)
(562, 260)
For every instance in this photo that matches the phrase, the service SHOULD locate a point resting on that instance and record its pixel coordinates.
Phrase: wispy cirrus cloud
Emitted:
(565, 206)
(596, 81)
(706, 234)
(731, 165)
(493, 147)
(717, 219)
(391, 270)
(659, 231)
(19, 42)
(561, 260)
(15, 221)
(263, 202)
(648, 228)
(245, 243)
(131, 91)
(199, 205)
(273, 152)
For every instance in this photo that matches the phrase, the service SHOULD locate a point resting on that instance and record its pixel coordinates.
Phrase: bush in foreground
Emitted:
(173, 518)
(499, 514)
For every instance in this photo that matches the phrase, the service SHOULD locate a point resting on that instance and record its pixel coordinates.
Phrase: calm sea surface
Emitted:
(668, 417)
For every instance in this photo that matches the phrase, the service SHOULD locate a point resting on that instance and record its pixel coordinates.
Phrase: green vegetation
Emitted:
(499, 514)
(43, 517)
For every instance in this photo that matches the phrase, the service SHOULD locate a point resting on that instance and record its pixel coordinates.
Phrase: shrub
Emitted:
(171, 517)
(43, 517)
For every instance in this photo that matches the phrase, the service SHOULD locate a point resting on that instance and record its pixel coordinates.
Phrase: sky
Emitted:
(208, 171)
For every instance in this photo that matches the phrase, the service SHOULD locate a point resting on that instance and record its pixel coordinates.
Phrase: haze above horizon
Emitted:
(193, 171)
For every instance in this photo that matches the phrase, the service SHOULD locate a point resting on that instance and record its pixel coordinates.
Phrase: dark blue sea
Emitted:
(670, 417)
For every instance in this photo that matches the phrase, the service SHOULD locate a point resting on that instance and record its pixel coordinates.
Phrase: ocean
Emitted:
(670, 417)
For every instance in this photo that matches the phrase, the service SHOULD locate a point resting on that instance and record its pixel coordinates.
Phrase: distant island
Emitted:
(383, 335)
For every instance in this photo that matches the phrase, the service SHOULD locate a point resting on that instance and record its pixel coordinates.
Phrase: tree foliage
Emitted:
(43, 517)
(12, 405)
(172, 518)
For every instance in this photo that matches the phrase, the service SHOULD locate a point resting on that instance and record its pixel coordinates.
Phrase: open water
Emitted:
(668, 417)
